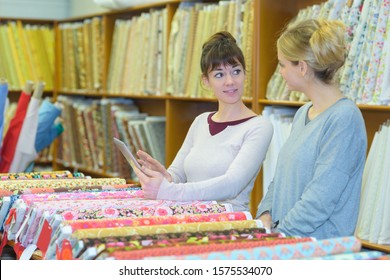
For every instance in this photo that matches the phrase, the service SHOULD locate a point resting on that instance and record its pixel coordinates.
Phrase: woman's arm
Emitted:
(241, 171)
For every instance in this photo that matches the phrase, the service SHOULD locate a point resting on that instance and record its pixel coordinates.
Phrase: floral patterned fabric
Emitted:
(158, 220)
(27, 186)
(109, 208)
(115, 194)
(168, 239)
(65, 189)
(41, 175)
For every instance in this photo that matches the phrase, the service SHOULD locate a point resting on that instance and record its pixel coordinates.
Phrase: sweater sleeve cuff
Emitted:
(263, 208)
(166, 190)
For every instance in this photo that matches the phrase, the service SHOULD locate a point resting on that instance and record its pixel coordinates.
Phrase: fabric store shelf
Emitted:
(136, 96)
(91, 172)
(281, 102)
(378, 247)
(81, 93)
(363, 107)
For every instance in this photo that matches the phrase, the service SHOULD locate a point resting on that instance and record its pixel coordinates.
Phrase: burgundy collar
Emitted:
(217, 127)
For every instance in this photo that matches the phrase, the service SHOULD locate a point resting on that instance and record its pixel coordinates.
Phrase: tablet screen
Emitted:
(127, 153)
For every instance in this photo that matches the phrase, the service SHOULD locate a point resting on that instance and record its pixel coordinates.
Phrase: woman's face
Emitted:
(291, 73)
(227, 82)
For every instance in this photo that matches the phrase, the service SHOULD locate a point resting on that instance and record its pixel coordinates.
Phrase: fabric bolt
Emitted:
(106, 208)
(41, 175)
(12, 135)
(205, 240)
(382, 89)
(378, 54)
(351, 64)
(146, 230)
(322, 154)
(222, 167)
(115, 211)
(174, 238)
(3, 100)
(158, 220)
(66, 189)
(116, 194)
(375, 54)
(183, 237)
(42, 183)
(364, 57)
(25, 150)
(373, 222)
(47, 131)
(187, 249)
(366, 255)
(15, 218)
(384, 257)
(5, 205)
(332, 246)
(380, 223)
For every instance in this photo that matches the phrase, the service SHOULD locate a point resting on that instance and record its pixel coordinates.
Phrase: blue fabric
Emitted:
(3, 100)
(47, 131)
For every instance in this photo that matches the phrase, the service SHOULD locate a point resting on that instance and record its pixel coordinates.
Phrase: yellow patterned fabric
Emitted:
(158, 229)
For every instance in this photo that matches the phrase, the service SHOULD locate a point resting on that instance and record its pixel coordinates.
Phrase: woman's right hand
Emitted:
(149, 162)
(266, 219)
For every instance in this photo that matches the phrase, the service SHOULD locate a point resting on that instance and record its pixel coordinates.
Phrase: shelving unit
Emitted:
(270, 16)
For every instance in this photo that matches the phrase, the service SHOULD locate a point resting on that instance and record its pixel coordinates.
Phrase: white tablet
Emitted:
(127, 153)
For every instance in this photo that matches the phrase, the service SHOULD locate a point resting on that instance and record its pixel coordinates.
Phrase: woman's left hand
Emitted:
(150, 181)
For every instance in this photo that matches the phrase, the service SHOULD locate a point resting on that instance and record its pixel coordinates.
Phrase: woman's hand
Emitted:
(150, 181)
(266, 219)
(152, 164)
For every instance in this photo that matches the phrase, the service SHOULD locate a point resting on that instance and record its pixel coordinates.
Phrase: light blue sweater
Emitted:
(317, 183)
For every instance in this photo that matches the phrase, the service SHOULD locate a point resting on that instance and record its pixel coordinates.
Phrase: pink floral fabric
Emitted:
(157, 220)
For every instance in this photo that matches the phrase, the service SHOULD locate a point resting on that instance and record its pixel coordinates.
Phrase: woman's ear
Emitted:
(205, 81)
(303, 67)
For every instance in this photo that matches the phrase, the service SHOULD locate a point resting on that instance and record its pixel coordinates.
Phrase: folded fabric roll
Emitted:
(367, 255)
(3, 100)
(319, 248)
(185, 249)
(157, 229)
(47, 130)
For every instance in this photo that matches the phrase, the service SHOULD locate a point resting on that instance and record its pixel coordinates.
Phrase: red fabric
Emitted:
(11, 138)
(189, 249)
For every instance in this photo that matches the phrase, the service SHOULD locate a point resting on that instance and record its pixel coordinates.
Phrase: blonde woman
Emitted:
(317, 183)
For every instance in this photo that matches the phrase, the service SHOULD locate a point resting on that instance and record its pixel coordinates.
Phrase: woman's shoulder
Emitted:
(346, 108)
(261, 123)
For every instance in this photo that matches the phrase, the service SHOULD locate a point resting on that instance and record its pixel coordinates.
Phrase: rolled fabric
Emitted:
(158, 220)
(47, 131)
(319, 248)
(366, 255)
(156, 229)
(116, 194)
(186, 249)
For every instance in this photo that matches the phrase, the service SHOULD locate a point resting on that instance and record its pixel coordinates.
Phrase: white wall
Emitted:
(48, 9)
(84, 7)
(37, 9)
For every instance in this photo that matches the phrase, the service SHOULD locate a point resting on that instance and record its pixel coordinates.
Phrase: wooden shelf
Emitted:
(378, 247)
(281, 102)
(92, 172)
(86, 171)
(81, 93)
(136, 96)
(363, 107)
